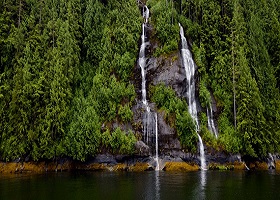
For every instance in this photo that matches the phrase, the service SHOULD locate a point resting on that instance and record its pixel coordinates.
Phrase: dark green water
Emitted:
(144, 185)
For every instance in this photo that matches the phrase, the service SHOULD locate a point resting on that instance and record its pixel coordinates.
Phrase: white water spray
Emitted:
(211, 125)
(146, 13)
(190, 69)
(202, 156)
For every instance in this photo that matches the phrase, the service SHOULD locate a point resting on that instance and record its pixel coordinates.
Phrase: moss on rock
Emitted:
(215, 166)
(180, 166)
(258, 165)
(140, 167)
(239, 165)
(277, 164)
(118, 167)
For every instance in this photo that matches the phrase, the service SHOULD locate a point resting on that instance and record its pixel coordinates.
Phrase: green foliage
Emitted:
(234, 38)
(122, 143)
(165, 24)
(186, 130)
(204, 95)
(50, 102)
(208, 137)
(125, 113)
(176, 111)
(93, 24)
(228, 139)
(108, 93)
(167, 48)
(119, 141)
(258, 57)
(232, 48)
(83, 136)
(252, 126)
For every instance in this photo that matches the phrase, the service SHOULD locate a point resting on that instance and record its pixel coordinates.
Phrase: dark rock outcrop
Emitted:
(142, 149)
(168, 70)
(105, 158)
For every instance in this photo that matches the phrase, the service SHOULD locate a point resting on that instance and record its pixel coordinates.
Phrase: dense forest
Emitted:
(67, 68)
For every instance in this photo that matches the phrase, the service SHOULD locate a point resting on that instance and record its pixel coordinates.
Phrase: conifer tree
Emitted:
(251, 124)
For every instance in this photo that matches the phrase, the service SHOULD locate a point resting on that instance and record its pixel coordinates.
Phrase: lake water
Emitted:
(142, 185)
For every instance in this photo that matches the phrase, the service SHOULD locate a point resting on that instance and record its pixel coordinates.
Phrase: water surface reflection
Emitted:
(144, 185)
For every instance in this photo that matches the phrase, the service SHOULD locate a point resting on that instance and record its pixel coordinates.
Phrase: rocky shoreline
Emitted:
(107, 162)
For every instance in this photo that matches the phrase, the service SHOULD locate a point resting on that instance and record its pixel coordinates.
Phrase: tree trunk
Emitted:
(233, 83)
(19, 13)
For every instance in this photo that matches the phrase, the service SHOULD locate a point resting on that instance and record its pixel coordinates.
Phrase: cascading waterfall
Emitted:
(157, 163)
(142, 64)
(190, 71)
(202, 156)
(240, 160)
(211, 125)
(142, 61)
(190, 68)
(150, 118)
(271, 161)
(146, 14)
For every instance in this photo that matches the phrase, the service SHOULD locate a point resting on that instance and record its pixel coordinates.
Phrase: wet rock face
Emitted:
(105, 158)
(142, 149)
(168, 70)
(163, 128)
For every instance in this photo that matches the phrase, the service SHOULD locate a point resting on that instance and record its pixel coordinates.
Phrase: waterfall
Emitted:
(146, 14)
(202, 156)
(142, 63)
(240, 160)
(271, 161)
(142, 58)
(190, 69)
(157, 163)
(211, 125)
(149, 120)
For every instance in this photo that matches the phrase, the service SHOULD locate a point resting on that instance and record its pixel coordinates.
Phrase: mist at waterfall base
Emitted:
(142, 185)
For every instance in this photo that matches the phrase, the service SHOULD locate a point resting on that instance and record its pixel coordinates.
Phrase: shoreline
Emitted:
(47, 166)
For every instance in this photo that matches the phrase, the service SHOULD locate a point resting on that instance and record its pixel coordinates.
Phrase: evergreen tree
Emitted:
(251, 124)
